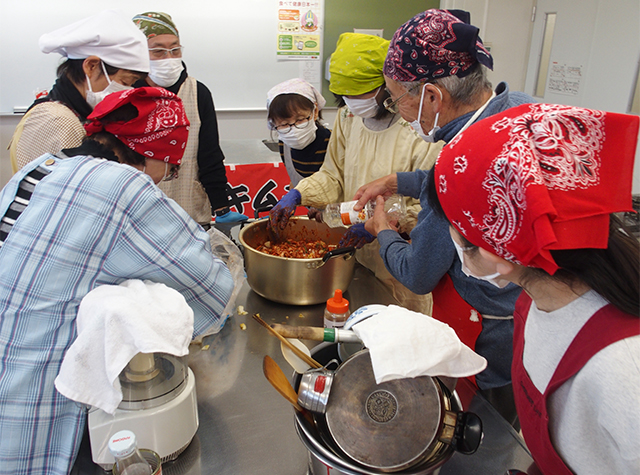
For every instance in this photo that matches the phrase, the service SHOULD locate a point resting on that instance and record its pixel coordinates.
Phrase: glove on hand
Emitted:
(283, 210)
(315, 214)
(231, 217)
(357, 236)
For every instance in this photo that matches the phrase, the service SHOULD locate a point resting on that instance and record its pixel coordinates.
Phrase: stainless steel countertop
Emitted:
(247, 428)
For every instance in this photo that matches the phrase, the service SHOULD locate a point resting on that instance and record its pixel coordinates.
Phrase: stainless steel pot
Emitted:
(296, 281)
(409, 426)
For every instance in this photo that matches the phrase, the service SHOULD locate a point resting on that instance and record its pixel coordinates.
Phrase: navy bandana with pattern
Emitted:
(435, 44)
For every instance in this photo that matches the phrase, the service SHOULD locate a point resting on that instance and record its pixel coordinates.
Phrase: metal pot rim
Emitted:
(264, 220)
(317, 449)
(442, 452)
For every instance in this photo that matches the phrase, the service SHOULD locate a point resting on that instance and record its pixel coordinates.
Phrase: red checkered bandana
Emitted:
(538, 177)
(159, 132)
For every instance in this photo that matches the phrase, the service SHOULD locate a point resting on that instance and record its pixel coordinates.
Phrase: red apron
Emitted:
(450, 308)
(605, 327)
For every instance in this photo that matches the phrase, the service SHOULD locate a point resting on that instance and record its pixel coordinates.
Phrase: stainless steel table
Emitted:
(246, 427)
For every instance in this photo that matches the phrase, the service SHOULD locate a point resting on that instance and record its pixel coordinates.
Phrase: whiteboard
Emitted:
(229, 46)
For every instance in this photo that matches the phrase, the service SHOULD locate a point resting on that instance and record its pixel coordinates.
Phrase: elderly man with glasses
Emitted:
(435, 72)
(201, 188)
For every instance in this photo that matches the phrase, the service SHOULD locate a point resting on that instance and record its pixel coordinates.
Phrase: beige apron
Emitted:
(187, 190)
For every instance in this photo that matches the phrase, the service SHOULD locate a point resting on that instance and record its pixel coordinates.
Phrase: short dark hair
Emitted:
(287, 105)
(126, 155)
(72, 68)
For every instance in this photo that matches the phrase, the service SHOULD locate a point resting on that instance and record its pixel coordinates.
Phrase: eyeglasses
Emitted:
(161, 53)
(393, 106)
(173, 173)
(298, 124)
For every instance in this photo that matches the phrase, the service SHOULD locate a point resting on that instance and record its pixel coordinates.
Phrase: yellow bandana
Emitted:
(356, 64)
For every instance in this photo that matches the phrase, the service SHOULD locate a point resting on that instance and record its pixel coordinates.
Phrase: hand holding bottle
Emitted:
(385, 187)
(380, 219)
(344, 214)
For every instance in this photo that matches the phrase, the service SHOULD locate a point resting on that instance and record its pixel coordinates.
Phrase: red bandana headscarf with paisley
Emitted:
(435, 44)
(159, 132)
(538, 177)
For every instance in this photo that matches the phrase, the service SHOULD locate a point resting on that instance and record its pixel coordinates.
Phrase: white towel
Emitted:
(406, 344)
(115, 322)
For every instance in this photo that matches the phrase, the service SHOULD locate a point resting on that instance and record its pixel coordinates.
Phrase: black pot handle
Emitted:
(338, 252)
(264, 209)
(468, 433)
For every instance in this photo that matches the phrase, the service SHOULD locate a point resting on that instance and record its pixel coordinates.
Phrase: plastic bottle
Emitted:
(337, 311)
(342, 214)
(129, 460)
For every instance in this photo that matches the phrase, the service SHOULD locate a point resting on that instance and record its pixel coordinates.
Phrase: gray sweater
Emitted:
(420, 264)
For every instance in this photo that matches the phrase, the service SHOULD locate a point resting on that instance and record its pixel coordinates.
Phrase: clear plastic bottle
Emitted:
(337, 311)
(342, 214)
(129, 460)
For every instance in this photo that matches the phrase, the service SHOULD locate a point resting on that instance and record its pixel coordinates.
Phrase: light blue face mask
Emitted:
(494, 279)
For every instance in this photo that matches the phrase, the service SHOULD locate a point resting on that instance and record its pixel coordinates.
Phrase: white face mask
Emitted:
(165, 72)
(365, 108)
(494, 279)
(299, 138)
(430, 137)
(93, 98)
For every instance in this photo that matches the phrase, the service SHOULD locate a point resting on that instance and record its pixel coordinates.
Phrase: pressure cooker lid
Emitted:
(387, 426)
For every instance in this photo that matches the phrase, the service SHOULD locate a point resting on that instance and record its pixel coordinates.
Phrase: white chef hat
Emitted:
(109, 35)
(296, 86)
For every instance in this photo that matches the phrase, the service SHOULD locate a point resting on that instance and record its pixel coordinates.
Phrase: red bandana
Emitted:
(538, 177)
(159, 132)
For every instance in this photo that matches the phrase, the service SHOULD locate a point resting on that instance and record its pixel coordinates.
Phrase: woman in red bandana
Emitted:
(87, 217)
(534, 205)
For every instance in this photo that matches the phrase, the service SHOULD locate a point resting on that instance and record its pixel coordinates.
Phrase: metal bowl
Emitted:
(296, 281)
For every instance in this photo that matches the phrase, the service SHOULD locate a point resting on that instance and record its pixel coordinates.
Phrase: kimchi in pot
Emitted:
(305, 279)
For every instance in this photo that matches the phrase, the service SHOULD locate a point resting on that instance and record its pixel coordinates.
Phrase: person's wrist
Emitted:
(222, 211)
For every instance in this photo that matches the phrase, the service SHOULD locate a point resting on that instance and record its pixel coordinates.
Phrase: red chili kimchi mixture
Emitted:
(297, 249)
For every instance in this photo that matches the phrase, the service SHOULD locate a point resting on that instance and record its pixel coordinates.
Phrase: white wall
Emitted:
(603, 39)
(229, 45)
(601, 36)
(505, 27)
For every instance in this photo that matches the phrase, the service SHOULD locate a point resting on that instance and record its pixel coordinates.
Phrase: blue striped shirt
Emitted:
(90, 222)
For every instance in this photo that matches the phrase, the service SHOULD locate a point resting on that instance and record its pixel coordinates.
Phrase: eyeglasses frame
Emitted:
(168, 53)
(306, 120)
(393, 106)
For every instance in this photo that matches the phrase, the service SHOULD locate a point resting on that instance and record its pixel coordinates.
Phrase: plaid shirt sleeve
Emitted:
(89, 222)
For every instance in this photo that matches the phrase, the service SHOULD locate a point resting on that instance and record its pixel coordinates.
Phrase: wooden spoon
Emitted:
(279, 381)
